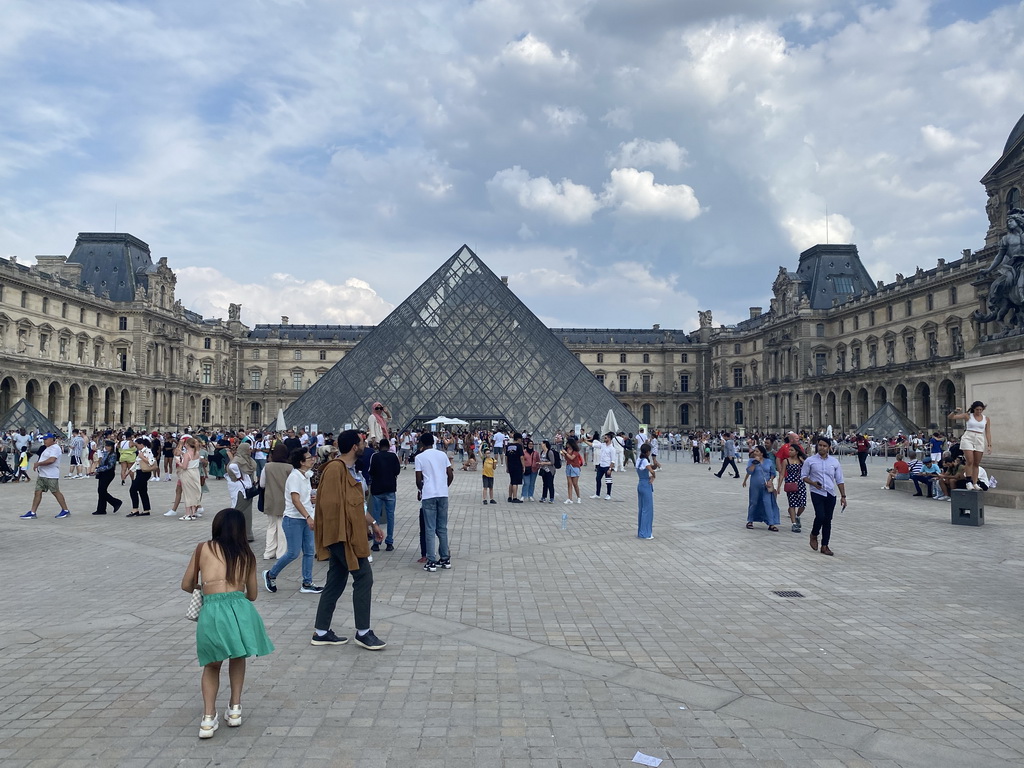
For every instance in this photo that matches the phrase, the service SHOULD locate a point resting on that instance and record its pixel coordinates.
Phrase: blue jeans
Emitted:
(299, 536)
(385, 503)
(435, 516)
(529, 482)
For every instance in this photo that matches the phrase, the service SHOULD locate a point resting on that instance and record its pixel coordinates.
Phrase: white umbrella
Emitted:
(610, 423)
(70, 427)
(457, 422)
(437, 421)
(281, 425)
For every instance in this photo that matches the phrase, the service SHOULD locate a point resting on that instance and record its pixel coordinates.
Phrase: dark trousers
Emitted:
(602, 473)
(140, 490)
(863, 459)
(548, 481)
(103, 497)
(926, 479)
(696, 454)
(824, 506)
(337, 578)
(725, 463)
(423, 534)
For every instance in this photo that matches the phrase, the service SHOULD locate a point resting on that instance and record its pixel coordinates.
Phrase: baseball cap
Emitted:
(49, 436)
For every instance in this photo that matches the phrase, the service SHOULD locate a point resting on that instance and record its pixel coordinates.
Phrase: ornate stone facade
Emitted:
(98, 338)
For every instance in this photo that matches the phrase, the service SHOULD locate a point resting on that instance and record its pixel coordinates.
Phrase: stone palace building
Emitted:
(99, 339)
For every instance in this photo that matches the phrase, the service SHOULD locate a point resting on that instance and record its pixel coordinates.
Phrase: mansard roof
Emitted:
(113, 263)
(832, 272)
(310, 332)
(621, 335)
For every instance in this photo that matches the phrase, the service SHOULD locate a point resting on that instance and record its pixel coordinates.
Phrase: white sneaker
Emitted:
(154, 479)
(199, 511)
(608, 497)
(170, 513)
(970, 486)
(579, 500)
(207, 726)
(567, 501)
(233, 716)
(596, 496)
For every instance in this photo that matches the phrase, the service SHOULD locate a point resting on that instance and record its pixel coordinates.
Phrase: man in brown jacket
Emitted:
(340, 536)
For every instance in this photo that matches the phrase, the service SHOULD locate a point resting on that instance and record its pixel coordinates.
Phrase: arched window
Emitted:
(647, 358)
(738, 412)
(684, 414)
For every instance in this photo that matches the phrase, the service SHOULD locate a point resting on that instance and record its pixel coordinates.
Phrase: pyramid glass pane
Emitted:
(462, 345)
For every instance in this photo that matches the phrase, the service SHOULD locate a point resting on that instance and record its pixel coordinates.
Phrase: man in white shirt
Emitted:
(434, 474)
(498, 441)
(48, 480)
(75, 451)
(604, 458)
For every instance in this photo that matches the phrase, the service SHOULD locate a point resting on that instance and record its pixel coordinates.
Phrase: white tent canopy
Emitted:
(281, 425)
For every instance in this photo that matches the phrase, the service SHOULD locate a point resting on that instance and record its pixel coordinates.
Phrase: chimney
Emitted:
(755, 312)
(284, 319)
(504, 279)
(657, 326)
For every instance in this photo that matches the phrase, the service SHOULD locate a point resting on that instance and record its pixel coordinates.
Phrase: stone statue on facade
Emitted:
(1006, 293)
(234, 311)
(704, 315)
(992, 209)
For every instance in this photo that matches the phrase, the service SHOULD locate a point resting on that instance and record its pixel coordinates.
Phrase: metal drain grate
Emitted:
(787, 593)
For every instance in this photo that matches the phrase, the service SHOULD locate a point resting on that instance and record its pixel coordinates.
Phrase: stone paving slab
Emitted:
(542, 647)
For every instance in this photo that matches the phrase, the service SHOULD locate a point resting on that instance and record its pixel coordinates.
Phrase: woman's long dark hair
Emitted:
(229, 534)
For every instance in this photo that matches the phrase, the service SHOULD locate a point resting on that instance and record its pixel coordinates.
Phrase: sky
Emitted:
(623, 163)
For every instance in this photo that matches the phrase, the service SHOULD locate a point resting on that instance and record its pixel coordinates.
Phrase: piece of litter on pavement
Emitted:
(643, 759)
(682, 707)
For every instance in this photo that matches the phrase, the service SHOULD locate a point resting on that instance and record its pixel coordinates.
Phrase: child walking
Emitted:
(228, 627)
(488, 477)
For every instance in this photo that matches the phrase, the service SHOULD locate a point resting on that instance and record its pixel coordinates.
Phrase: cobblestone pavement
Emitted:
(542, 647)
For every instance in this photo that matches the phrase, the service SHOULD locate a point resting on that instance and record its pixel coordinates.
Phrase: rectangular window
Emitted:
(930, 302)
(44, 344)
(856, 322)
(871, 317)
(206, 343)
(646, 382)
(820, 363)
(684, 358)
(24, 299)
(63, 307)
(842, 327)
(323, 354)
(63, 349)
(296, 379)
(254, 379)
(952, 295)
(207, 373)
(99, 319)
(298, 354)
(736, 347)
(737, 377)
(622, 358)
(81, 351)
(843, 283)
(205, 410)
(255, 354)
(122, 358)
(600, 378)
(623, 382)
(910, 308)
(122, 323)
(647, 358)
(46, 306)
(81, 315)
(684, 382)
(600, 357)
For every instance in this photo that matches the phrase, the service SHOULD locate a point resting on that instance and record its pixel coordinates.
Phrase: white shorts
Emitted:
(937, 457)
(973, 441)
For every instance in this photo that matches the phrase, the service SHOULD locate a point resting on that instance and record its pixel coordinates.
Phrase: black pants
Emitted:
(927, 479)
(423, 534)
(547, 479)
(602, 473)
(696, 454)
(140, 490)
(725, 463)
(863, 459)
(103, 496)
(824, 506)
(337, 578)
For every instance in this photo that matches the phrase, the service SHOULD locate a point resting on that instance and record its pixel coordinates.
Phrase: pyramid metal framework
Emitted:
(463, 346)
(24, 414)
(887, 421)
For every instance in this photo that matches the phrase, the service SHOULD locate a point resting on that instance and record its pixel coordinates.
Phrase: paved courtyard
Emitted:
(542, 647)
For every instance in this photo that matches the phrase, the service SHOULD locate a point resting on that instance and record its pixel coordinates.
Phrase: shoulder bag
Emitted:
(195, 603)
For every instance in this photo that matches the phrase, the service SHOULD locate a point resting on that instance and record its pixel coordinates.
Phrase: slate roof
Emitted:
(833, 272)
(311, 332)
(113, 263)
(620, 335)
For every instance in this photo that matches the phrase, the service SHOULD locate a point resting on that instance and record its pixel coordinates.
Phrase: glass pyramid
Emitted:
(887, 421)
(24, 414)
(462, 346)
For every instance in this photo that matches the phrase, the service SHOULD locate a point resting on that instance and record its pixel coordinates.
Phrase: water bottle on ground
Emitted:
(565, 521)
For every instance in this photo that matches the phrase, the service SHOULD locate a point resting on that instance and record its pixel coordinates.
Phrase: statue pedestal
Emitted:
(994, 373)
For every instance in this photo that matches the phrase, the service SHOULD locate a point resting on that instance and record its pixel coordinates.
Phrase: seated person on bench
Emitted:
(900, 471)
(929, 471)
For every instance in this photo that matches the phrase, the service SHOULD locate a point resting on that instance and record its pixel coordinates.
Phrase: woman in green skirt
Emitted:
(229, 626)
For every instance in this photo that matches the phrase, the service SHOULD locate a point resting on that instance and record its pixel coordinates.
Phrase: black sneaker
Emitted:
(493, 501)
(269, 583)
(329, 639)
(430, 565)
(310, 589)
(446, 564)
(389, 548)
(370, 641)
(375, 547)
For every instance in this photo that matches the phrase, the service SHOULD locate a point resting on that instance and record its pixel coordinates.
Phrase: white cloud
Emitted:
(532, 52)
(644, 153)
(563, 201)
(562, 119)
(635, 192)
(940, 140)
(305, 301)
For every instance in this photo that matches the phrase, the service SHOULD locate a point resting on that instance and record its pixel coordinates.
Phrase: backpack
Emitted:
(558, 459)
